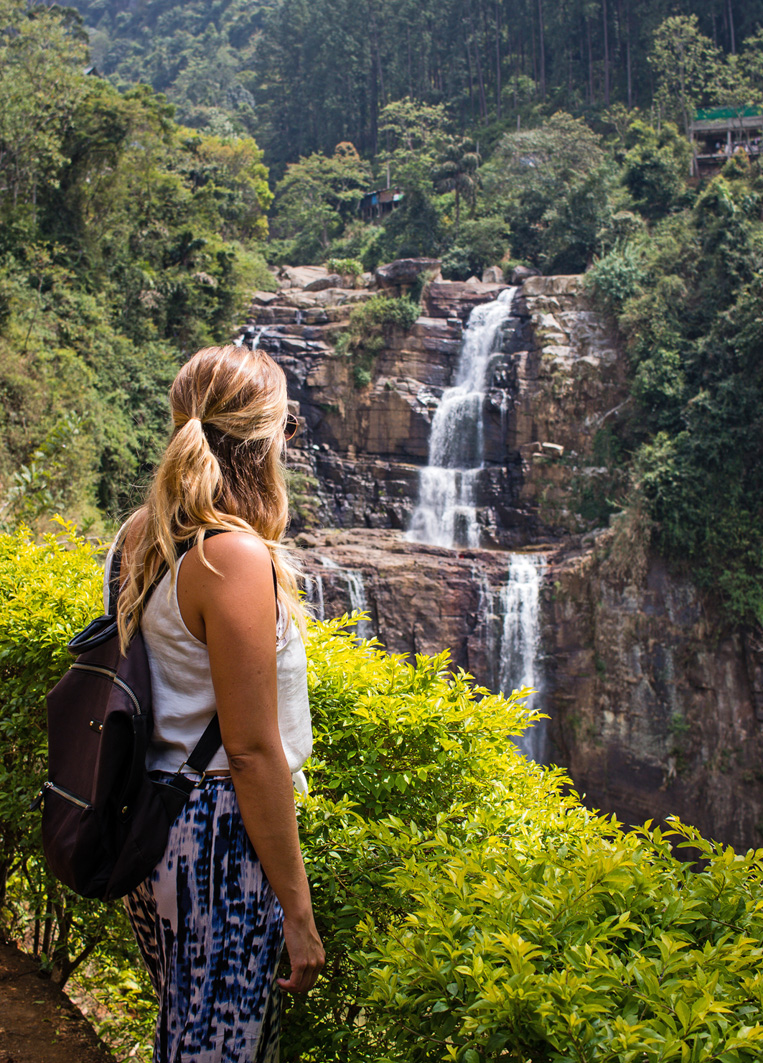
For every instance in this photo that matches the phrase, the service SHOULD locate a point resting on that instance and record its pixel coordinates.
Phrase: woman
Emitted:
(231, 888)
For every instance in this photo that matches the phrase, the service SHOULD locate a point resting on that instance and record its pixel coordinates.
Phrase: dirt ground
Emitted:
(38, 1023)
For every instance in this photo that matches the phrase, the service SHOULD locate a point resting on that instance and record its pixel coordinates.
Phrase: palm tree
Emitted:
(458, 171)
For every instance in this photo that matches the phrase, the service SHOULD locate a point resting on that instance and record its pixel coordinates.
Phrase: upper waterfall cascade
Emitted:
(446, 514)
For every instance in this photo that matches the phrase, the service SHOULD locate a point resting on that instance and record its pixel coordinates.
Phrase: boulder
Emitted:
(405, 271)
(521, 273)
(492, 275)
(264, 298)
(300, 276)
(331, 280)
(457, 299)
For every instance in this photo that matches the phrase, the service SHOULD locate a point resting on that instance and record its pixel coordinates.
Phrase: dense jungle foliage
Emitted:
(549, 135)
(302, 77)
(471, 907)
(126, 240)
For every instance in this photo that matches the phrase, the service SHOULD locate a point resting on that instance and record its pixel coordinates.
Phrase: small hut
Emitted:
(375, 205)
(717, 134)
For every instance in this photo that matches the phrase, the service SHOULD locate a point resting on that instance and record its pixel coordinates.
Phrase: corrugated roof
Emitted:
(717, 114)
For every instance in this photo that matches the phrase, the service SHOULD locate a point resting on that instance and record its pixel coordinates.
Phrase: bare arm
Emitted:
(235, 614)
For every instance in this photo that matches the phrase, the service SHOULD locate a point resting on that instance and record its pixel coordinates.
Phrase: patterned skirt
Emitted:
(209, 928)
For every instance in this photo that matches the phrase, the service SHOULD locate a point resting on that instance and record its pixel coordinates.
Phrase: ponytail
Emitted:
(222, 469)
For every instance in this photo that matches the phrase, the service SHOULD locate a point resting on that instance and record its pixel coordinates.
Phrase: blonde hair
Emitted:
(223, 468)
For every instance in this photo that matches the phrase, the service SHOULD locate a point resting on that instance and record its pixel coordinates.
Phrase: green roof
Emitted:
(717, 114)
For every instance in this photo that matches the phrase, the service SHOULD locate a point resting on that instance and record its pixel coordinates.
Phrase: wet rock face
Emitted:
(556, 381)
(419, 598)
(654, 713)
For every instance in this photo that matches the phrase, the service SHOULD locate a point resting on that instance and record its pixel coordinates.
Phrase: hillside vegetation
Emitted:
(549, 135)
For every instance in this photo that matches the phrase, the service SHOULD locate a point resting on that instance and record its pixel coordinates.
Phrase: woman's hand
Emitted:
(306, 955)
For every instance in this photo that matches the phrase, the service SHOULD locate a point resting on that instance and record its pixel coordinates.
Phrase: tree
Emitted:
(553, 185)
(457, 171)
(317, 196)
(40, 85)
(412, 134)
(231, 170)
(655, 167)
(684, 61)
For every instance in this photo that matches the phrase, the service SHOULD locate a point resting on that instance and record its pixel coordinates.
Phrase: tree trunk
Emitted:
(47, 932)
(471, 75)
(606, 53)
(535, 57)
(497, 61)
(542, 49)
(478, 61)
(628, 53)
(410, 76)
(731, 29)
(590, 61)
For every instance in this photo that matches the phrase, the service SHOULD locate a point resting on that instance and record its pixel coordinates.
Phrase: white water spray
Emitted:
(446, 514)
(314, 595)
(356, 593)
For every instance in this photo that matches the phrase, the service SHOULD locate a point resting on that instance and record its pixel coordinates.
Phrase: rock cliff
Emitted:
(654, 710)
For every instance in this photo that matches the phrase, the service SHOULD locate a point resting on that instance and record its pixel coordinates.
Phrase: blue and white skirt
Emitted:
(209, 928)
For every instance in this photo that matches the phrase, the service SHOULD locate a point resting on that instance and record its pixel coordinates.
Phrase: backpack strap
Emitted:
(211, 739)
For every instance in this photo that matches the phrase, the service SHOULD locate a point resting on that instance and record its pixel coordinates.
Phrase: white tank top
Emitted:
(183, 695)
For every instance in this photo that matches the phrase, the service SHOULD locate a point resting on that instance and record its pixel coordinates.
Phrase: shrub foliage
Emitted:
(471, 907)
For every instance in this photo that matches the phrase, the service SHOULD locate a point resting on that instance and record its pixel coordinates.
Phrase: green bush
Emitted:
(615, 278)
(368, 330)
(655, 168)
(479, 243)
(347, 267)
(471, 908)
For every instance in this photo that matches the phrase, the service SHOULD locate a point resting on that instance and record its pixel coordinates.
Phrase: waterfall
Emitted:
(356, 593)
(314, 596)
(518, 660)
(446, 514)
(511, 623)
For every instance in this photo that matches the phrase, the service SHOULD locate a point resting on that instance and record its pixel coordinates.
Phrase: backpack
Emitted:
(105, 821)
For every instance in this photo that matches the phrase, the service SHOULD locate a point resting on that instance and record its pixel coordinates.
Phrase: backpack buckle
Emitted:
(186, 769)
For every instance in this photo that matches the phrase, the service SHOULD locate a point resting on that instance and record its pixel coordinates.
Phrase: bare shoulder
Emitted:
(232, 594)
(237, 555)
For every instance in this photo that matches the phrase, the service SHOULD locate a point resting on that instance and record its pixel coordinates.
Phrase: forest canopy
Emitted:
(159, 159)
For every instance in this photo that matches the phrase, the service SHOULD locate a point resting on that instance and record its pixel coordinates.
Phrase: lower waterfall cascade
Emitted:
(518, 652)
(355, 590)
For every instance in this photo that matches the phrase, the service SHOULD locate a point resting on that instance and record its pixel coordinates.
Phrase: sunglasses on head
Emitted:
(290, 426)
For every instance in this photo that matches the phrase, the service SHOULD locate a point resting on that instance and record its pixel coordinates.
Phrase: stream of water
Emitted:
(447, 515)
(354, 587)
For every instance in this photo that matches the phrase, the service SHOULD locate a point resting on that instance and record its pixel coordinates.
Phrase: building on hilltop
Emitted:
(716, 134)
(375, 205)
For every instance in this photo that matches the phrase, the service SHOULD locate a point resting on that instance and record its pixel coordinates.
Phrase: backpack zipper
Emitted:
(66, 794)
(112, 675)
